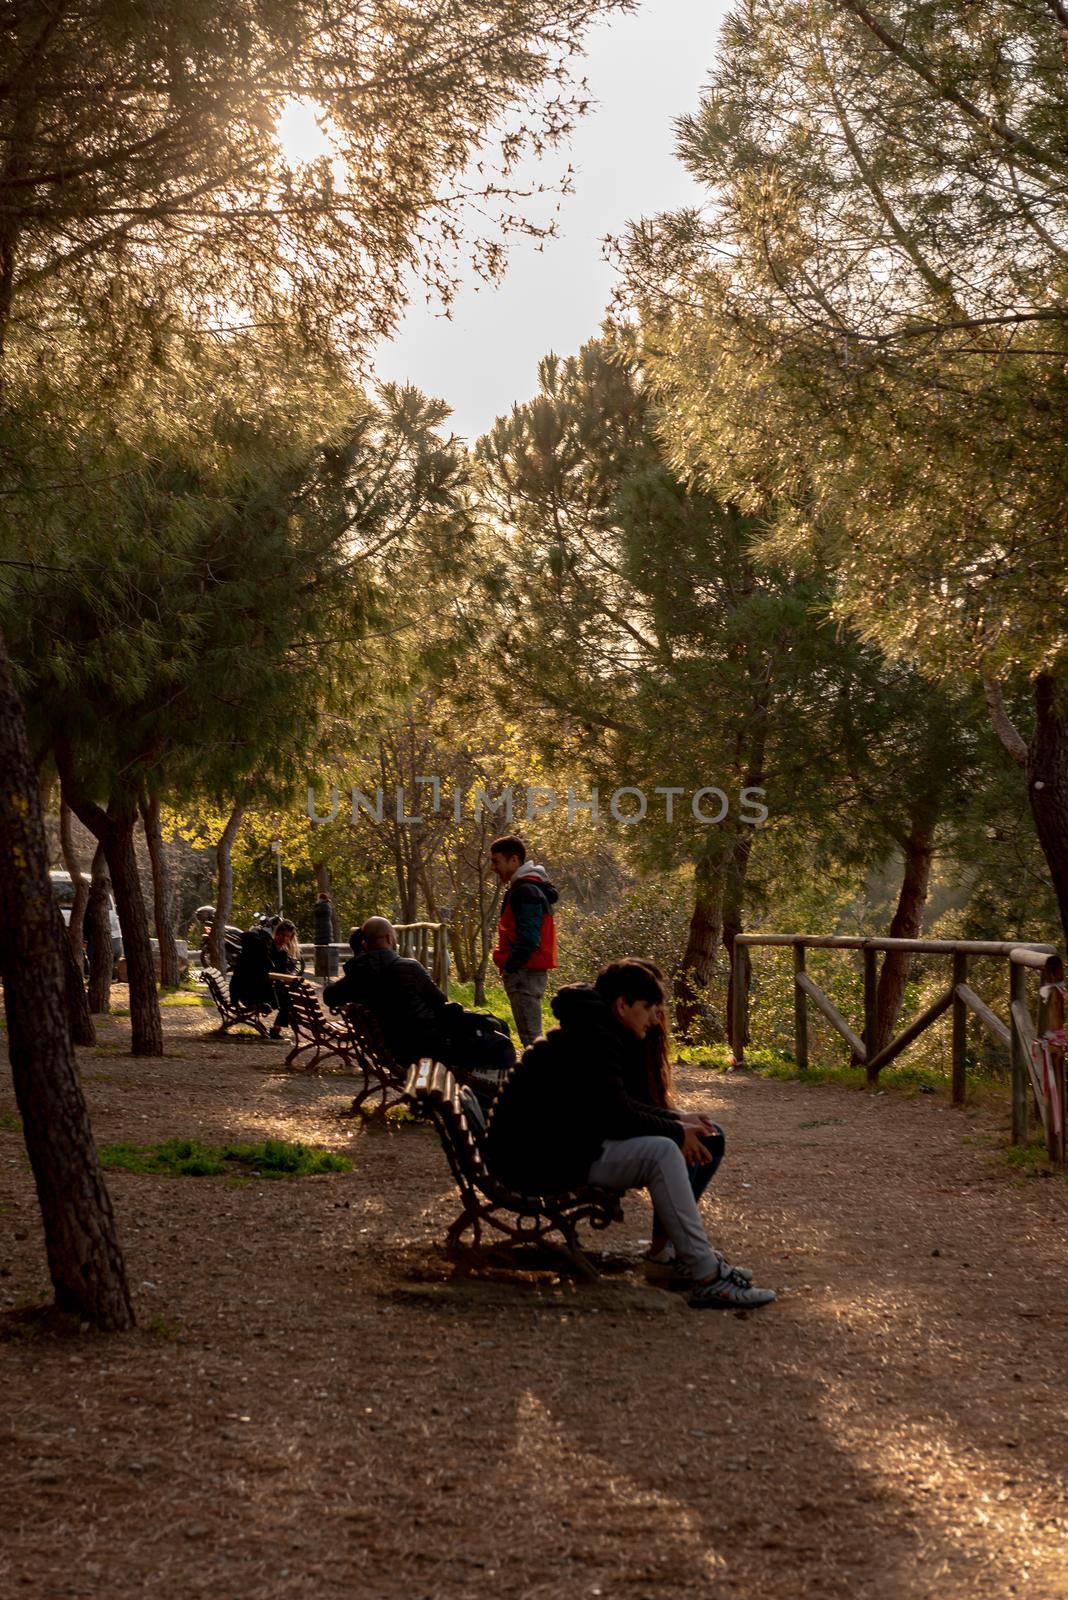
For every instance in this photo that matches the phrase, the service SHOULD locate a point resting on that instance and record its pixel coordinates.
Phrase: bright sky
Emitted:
(643, 71)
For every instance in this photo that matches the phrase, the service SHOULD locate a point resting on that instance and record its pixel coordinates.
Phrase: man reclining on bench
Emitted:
(415, 1017)
(564, 1119)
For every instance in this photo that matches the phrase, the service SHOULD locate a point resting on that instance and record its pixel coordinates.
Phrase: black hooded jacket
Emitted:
(402, 995)
(566, 1097)
(250, 981)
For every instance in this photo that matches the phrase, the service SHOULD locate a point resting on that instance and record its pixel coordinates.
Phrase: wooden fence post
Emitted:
(800, 1012)
(1050, 1022)
(871, 1001)
(1053, 972)
(960, 1028)
(740, 1008)
(1021, 1082)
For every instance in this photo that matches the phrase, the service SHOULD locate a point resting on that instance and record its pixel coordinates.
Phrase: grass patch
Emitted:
(904, 1077)
(188, 1158)
(10, 1122)
(496, 1003)
(1031, 1160)
(184, 997)
(162, 1331)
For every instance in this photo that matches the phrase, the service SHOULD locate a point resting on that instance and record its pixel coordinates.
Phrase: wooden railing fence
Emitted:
(1036, 1047)
(428, 942)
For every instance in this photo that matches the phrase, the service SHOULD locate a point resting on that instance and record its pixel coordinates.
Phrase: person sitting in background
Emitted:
(265, 950)
(416, 1018)
(564, 1119)
(647, 1077)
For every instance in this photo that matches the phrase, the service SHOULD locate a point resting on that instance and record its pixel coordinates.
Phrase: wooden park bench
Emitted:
(316, 1035)
(383, 1074)
(353, 1039)
(521, 1219)
(231, 1012)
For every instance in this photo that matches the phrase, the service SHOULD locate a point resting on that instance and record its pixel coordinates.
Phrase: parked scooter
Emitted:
(205, 915)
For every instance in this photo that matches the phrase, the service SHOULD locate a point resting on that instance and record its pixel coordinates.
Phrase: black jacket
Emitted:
(401, 994)
(250, 981)
(323, 922)
(566, 1097)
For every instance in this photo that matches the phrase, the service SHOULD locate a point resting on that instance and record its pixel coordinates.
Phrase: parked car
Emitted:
(63, 889)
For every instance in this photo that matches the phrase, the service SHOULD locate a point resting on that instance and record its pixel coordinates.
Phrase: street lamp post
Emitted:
(276, 850)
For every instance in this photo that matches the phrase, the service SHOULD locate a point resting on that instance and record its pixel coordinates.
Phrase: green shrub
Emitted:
(649, 919)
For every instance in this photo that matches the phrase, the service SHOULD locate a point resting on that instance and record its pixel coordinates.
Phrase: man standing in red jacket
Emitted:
(526, 933)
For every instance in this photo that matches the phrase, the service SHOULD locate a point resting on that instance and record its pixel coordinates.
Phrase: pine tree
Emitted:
(863, 339)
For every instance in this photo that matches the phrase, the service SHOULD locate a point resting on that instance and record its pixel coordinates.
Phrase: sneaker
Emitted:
(662, 1266)
(729, 1293)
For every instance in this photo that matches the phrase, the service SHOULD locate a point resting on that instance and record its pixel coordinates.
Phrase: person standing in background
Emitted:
(526, 933)
(323, 929)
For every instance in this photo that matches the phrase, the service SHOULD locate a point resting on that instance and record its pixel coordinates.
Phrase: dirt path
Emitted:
(311, 1407)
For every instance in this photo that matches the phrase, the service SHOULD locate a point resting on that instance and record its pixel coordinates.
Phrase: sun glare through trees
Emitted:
(304, 133)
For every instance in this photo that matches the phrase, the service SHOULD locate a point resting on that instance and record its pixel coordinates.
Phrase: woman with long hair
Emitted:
(653, 1084)
(284, 957)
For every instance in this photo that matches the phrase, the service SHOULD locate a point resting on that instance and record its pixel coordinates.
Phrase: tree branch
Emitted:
(1003, 130)
(1004, 726)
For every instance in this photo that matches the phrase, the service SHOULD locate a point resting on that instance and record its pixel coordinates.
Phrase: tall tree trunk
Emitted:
(741, 848)
(906, 923)
(170, 970)
(73, 936)
(430, 899)
(733, 919)
(407, 889)
(146, 1023)
(79, 1021)
(114, 828)
(1045, 760)
(488, 910)
(84, 1257)
(101, 954)
(73, 863)
(1047, 781)
(694, 971)
(224, 893)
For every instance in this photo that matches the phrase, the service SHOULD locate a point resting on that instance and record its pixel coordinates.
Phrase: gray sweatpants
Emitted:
(525, 990)
(656, 1163)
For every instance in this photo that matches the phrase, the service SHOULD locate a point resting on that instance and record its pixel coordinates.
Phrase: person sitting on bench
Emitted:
(647, 1077)
(563, 1120)
(415, 1017)
(265, 950)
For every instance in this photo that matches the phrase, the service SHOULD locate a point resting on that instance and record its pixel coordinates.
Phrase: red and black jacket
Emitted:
(526, 932)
